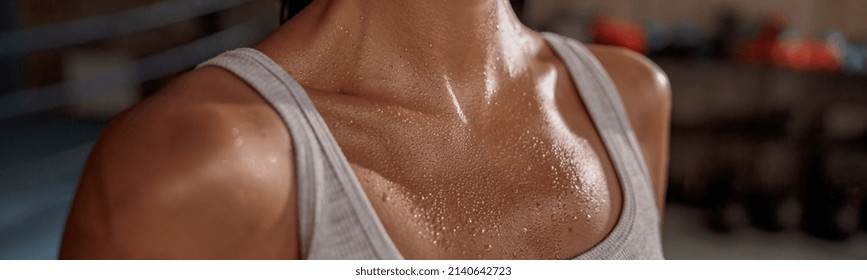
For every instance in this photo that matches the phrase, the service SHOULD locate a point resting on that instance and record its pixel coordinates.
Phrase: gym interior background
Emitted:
(769, 123)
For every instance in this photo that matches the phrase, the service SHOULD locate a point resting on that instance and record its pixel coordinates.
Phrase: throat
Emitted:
(382, 48)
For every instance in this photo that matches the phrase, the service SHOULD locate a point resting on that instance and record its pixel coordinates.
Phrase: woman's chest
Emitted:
(515, 194)
(528, 180)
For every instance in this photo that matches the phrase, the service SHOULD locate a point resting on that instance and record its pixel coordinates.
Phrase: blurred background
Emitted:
(769, 122)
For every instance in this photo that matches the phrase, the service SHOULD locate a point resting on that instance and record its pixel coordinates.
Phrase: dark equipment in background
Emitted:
(786, 141)
(11, 67)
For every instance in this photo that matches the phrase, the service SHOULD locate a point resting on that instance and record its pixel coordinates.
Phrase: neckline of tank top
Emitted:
(573, 63)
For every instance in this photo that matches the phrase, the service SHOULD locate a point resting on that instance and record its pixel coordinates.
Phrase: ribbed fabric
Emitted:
(336, 221)
(637, 233)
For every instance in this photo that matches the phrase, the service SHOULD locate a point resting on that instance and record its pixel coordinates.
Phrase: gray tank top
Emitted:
(336, 221)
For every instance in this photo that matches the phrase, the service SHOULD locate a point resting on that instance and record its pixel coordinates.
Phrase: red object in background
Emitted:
(759, 50)
(617, 32)
(806, 55)
(798, 54)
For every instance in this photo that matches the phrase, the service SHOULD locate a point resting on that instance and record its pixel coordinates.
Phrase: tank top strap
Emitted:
(639, 216)
(323, 175)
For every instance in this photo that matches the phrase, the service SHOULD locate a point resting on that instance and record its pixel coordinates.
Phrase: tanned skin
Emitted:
(462, 125)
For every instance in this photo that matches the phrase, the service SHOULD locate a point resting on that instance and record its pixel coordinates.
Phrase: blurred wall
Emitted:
(45, 67)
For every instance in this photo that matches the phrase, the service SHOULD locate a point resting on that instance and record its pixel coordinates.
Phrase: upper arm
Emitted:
(646, 95)
(180, 177)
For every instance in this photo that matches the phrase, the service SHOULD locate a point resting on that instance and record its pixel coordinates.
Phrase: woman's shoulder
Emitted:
(635, 76)
(208, 111)
(199, 169)
(646, 95)
(642, 84)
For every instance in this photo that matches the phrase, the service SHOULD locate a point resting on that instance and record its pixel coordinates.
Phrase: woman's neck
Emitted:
(371, 46)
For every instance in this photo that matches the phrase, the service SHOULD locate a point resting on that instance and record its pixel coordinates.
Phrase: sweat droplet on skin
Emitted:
(453, 189)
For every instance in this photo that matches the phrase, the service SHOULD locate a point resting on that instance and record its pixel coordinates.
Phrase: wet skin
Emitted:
(463, 127)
